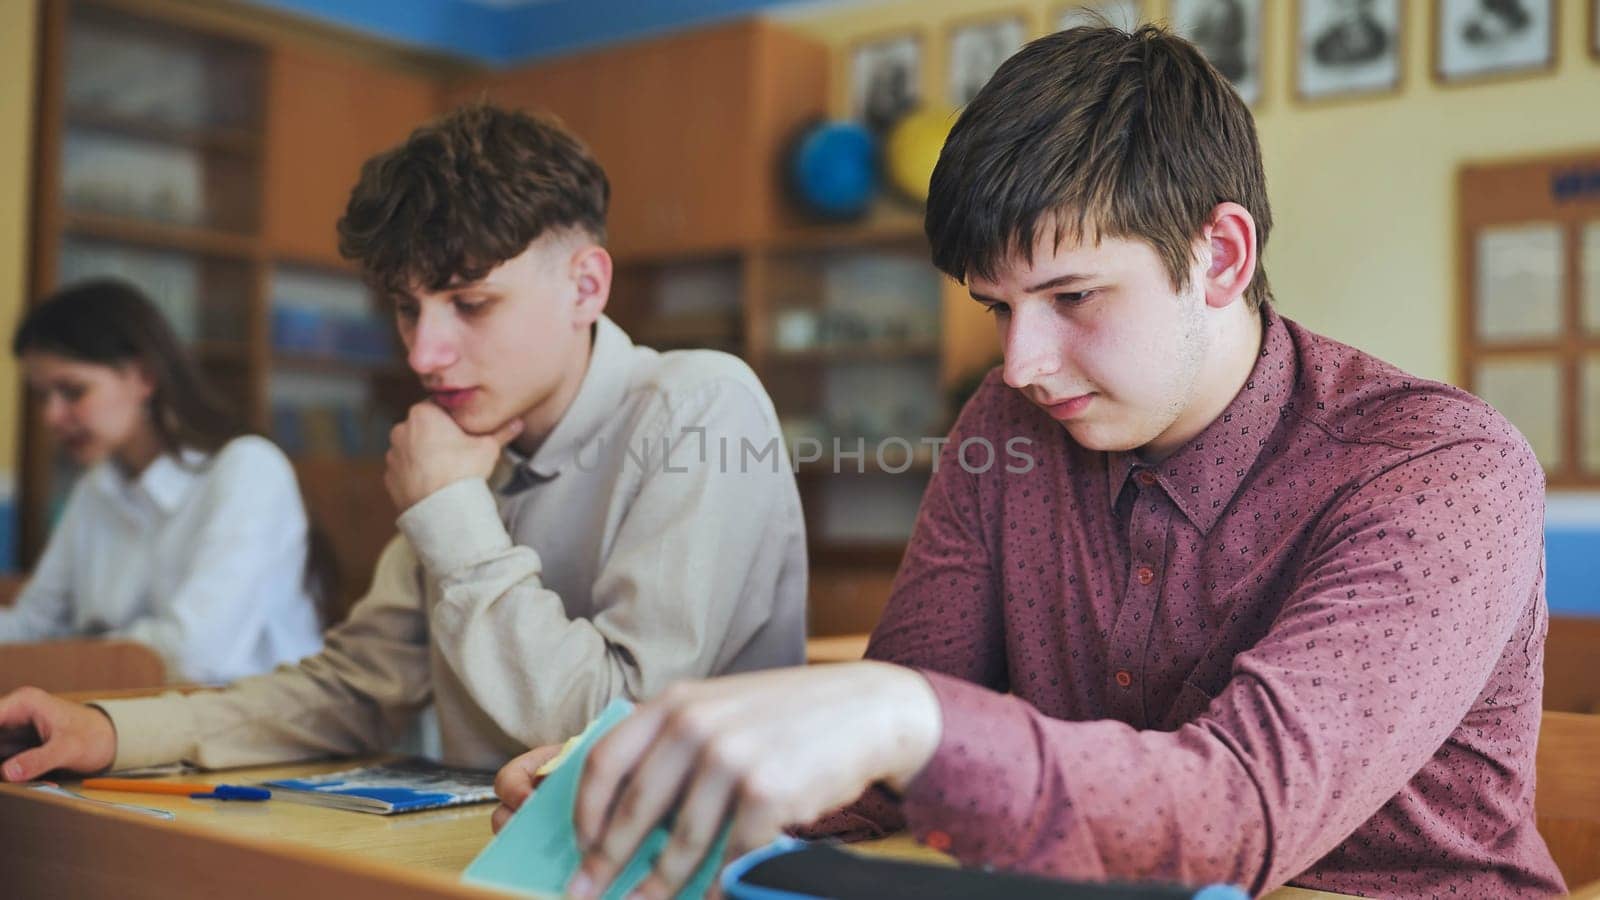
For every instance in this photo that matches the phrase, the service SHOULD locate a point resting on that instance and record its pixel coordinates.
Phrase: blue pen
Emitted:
(234, 792)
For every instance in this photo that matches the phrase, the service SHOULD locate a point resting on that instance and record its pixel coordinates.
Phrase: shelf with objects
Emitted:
(149, 162)
(847, 325)
(679, 304)
(862, 343)
(205, 155)
(690, 123)
(853, 363)
(337, 383)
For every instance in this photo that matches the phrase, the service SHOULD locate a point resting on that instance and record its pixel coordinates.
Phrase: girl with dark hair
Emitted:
(185, 533)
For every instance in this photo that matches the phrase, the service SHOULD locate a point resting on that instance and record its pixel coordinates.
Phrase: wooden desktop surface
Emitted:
(53, 847)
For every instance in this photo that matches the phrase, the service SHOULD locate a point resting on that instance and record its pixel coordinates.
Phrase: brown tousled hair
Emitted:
(465, 193)
(1097, 132)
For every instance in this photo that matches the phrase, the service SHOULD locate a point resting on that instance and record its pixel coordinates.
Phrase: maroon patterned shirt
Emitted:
(1305, 648)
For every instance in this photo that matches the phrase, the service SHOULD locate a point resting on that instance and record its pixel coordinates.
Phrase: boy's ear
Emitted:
(591, 276)
(1230, 237)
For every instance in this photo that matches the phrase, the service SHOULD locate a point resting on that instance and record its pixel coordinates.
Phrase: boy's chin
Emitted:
(479, 424)
(476, 426)
(1100, 438)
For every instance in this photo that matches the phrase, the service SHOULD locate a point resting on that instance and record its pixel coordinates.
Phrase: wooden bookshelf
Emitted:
(272, 119)
(889, 223)
(229, 353)
(692, 152)
(228, 140)
(340, 365)
(84, 100)
(874, 351)
(161, 235)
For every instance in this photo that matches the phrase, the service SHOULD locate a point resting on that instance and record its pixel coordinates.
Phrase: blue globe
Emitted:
(833, 169)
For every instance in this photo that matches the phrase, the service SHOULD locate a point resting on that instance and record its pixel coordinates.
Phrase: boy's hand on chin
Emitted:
(429, 451)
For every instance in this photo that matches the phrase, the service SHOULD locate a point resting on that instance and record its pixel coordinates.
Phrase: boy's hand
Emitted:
(517, 779)
(429, 451)
(760, 752)
(71, 736)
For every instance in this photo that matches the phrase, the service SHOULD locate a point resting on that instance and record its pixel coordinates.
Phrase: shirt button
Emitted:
(1146, 477)
(1123, 678)
(936, 840)
(1145, 574)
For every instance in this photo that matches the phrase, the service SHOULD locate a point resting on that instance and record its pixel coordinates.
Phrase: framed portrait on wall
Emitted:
(1483, 38)
(976, 50)
(885, 79)
(1229, 33)
(1347, 48)
(1124, 14)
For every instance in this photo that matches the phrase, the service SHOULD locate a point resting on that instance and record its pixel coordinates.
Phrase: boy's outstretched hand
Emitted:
(759, 751)
(69, 736)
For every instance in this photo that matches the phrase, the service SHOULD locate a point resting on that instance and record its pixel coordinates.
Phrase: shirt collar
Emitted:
(1119, 467)
(604, 385)
(1204, 474)
(165, 482)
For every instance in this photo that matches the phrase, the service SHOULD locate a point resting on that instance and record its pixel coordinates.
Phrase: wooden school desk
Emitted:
(59, 847)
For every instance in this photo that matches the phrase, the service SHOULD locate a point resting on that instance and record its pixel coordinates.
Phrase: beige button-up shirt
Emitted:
(655, 535)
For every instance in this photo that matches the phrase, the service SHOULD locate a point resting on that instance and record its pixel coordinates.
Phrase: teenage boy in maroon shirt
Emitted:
(1261, 608)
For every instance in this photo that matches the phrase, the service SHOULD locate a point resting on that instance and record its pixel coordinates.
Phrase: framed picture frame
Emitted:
(975, 49)
(885, 79)
(1229, 33)
(1124, 14)
(1348, 48)
(1478, 39)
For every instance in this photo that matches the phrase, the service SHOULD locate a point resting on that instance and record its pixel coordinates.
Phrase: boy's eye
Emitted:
(1073, 298)
(469, 308)
(997, 309)
(406, 311)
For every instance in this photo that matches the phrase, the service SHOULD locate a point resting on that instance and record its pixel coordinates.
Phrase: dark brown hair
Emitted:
(112, 323)
(109, 322)
(1098, 133)
(465, 193)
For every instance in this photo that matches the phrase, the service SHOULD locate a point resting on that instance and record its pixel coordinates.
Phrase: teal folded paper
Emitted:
(536, 853)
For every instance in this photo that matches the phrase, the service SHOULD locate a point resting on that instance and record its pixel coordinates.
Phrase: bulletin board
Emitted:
(1529, 320)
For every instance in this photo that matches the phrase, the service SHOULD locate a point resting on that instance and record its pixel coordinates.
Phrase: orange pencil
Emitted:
(141, 786)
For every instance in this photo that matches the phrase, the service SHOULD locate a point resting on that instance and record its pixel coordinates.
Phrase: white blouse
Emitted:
(204, 560)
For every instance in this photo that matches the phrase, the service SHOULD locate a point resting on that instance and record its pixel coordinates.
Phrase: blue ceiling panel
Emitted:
(505, 33)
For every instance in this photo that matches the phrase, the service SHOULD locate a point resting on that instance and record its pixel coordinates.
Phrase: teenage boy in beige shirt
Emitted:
(582, 519)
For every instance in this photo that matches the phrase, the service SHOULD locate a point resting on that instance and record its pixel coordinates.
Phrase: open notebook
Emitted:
(404, 785)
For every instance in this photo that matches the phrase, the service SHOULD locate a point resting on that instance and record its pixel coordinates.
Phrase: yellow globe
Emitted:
(912, 149)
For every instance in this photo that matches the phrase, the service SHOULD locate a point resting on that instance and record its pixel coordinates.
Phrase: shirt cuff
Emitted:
(979, 785)
(152, 731)
(455, 527)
